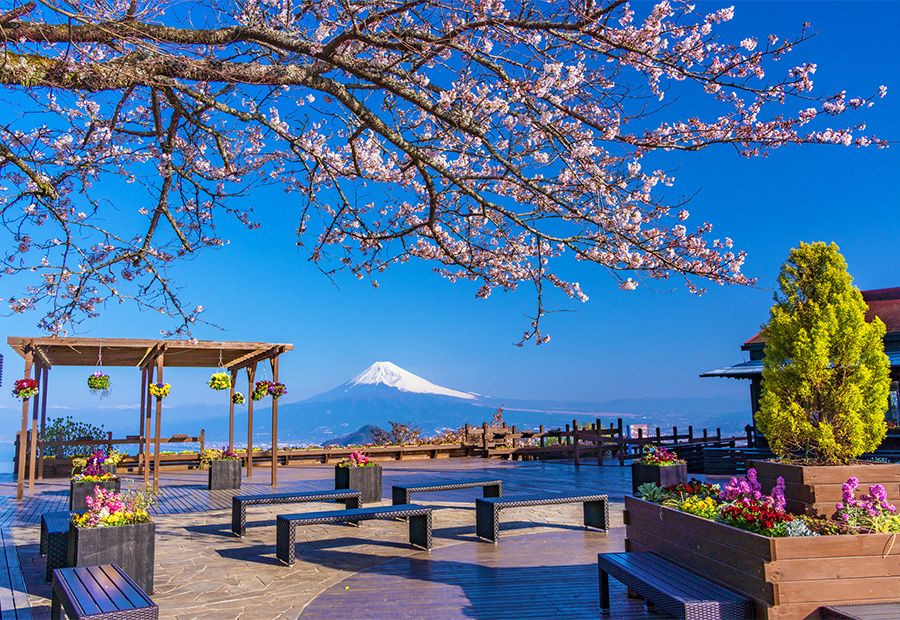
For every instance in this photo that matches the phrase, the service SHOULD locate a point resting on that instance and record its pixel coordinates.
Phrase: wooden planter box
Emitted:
(661, 476)
(225, 474)
(815, 489)
(788, 578)
(79, 490)
(132, 547)
(365, 479)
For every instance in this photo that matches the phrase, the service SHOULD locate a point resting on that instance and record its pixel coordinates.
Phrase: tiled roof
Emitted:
(883, 303)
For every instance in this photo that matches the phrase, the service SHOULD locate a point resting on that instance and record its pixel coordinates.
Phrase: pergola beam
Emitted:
(259, 356)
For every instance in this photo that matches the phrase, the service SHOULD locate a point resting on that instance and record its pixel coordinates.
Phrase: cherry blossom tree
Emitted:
(490, 138)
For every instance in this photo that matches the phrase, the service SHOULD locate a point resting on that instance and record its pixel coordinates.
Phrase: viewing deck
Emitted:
(545, 566)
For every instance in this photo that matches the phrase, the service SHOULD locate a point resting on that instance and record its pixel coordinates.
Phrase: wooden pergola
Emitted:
(150, 356)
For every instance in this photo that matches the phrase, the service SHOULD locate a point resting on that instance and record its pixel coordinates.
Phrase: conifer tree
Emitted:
(825, 374)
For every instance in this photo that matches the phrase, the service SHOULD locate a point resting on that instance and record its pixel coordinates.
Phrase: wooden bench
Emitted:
(13, 594)
(402, 494)
(419, 525)
(239, 503)
(99, 592)
(55, 540)
(669, 588)
(487, 511)
(864, 611)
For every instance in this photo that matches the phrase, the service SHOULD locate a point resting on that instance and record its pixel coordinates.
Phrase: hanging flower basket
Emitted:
(160, 390)
(25, 388)
(261, 390)
(98, 383)
(238, 398)
(277, 389)
(220, 381)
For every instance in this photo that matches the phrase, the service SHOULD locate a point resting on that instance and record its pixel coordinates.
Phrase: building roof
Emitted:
(884, 303)
(753, 368)
(52, 351)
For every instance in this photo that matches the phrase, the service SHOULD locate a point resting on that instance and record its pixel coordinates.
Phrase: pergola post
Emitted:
(32, 447)
(274, 362)
(147, 425)
(46, 384)
(159, 379)
(143, 397)
(231, 411)
(21, 458)
(251, 377)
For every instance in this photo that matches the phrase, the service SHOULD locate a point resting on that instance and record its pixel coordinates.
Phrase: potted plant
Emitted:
(359, 472)
(224, 468)
(89, 473)
(238, 398)
(659, 466)
(23, 389)
(220, 381)
(160, 390)
(260, 390)
(98, 383)
(112, 460)
(825, 384)
(116, 529)
(790, 565)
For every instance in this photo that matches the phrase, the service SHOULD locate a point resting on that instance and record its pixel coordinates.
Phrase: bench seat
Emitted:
(487, 510)
(351, 497)
(670, 588)
(419, 525)
(55, 540)
(861, 611)
(402, 493)
(99, 593)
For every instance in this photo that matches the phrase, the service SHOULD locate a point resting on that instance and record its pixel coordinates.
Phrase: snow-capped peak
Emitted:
(388, 373)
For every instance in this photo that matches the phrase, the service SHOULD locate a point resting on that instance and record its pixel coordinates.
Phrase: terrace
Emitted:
(545, 567)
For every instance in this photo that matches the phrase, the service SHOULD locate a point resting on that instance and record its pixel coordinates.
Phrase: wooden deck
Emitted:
(544, 567)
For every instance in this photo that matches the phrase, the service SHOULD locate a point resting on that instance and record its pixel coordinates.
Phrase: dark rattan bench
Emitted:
(869, 611)
(487, 511)
(402, 494)
(55, 540)
(239, 503)
(419, 525)
(101, 593)
(670, 588)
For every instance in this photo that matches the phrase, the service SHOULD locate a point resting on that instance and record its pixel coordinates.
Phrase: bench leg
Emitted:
(399, 496)
(596, 514)
(420, 531)
(55, 606)
(284, 542)
(492, 490)
(351, 502)
(238, 519)
(487, 522)
(43, 547)
(604, 592)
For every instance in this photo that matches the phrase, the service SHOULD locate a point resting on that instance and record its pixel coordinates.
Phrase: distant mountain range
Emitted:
(385, 392)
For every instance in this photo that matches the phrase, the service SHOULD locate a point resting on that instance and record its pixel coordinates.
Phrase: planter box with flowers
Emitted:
(88, 473)
(790, 566)
(224, 468)
(359, 472)
(659, 466)
(116, 529)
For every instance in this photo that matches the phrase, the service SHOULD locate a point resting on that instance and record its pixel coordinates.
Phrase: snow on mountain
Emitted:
(391, 375)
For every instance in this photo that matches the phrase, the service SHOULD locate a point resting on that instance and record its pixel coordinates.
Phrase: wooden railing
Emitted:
(577, 441)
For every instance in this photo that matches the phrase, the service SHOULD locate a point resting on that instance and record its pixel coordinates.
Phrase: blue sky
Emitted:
(647, 343)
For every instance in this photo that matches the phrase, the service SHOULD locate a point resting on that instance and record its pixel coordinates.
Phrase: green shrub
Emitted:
(67, 429)
(825, 377)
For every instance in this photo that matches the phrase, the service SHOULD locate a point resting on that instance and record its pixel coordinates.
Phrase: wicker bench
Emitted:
(670, 588)
(55, 540)
(419, 525)
(487, 511)
(868, 611)
(402, 494)
(239, 503)
(101, 593)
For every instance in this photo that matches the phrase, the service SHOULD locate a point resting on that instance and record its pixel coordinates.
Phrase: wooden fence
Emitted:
(577, 441)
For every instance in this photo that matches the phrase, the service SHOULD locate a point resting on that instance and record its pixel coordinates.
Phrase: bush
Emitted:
(67, 429)
(826, 378)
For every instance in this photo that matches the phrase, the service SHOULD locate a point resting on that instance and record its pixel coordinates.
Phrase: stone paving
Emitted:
(203, 571)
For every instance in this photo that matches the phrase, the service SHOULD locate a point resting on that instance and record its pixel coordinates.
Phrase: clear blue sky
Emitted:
(650, 342)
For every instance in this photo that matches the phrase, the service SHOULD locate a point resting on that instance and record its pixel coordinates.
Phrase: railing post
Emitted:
(749, 430)
(466, 433)
(658, 436)
(575, 442)
(690, 433)
(621, 448)
(202, 441)
(705, 435)
(541, 430)
(484, 438)
(674, 435)
(514, 440)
